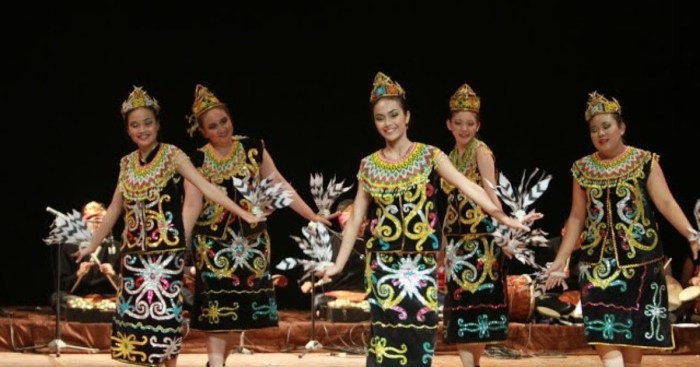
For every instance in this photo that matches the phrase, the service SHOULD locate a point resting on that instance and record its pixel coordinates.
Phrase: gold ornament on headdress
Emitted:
(93, 209)
(465, 99)
(204, 100)
(383, 86)
(139, 98)
(597, 103)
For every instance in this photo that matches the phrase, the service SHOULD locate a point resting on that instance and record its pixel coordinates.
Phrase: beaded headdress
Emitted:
(139, 98)
(465, 99)
(383, 86)
(92, 209)
(204, 100)
(597, 103)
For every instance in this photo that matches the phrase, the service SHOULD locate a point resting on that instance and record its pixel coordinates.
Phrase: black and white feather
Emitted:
(519, 200)
(696, 213)
(316, 244)
(520, 243)
(694, 234)
(67, 228)
(528, 191)
(263, 196)
(325, 197)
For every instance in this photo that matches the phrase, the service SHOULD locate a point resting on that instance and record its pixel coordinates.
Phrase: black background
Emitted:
(300, 77)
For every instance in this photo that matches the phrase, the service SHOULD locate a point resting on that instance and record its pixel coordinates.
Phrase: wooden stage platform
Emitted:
(23, 328)
(325, 359)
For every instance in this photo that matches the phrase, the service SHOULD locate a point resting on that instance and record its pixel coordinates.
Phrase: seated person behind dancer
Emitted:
(694, 279)
(544, 255)
(555, 299)
(350, 280)
(89, 276)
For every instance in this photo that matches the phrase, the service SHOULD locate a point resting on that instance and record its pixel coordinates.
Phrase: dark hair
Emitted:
(343, 204)
(155, 113)
(223, 106)
(402, 102)
(616, 116)
(454, 112)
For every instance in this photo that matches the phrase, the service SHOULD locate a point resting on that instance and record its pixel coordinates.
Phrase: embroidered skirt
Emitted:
(147, 326)
(625, 306)
(476, 308)
(403, 307)
(233, 287)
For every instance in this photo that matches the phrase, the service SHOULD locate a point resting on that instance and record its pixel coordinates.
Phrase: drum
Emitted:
(674, 289)
(521, 297)
(689, 294)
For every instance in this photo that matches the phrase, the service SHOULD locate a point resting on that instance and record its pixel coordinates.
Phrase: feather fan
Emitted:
(263, 196)
(316, 244)
(324, 198)
(694, 234)
(519, 200)
(67, 228)
(696, 213)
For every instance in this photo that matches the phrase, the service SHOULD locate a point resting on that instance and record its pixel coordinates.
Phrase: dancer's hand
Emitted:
(508, 252)
(556, 273)
(325, 219)
(695, 248)
(326, 274)
(252, 218)
(514, 223)
(531, 217)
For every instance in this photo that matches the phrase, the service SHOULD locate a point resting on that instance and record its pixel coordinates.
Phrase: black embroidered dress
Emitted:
(476, 308)
(233, 287)
(147, 326)
(623, 286)
(401, 270)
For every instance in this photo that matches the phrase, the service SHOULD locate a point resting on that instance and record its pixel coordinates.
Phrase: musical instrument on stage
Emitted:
(674, 289)
(89, 308)
(279, 280)
(521, 297)
(689, 294)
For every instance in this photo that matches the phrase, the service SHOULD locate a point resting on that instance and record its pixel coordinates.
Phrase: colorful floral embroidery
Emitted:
(141, 182)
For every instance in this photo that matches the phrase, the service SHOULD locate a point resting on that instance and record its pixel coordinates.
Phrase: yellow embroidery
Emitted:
(487, 261)
(379, 347)
(142, 217)
(214, 312)
(125, 346)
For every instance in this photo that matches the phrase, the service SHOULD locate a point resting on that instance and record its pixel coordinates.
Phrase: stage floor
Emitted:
(21, 329)
(324, 359)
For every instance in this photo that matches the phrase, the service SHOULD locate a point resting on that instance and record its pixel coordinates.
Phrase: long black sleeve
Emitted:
(94, 281)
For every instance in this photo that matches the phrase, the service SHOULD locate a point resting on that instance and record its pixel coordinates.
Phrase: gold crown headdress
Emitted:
(597, 103)
(139, 98)
(465, 99)
(93, 209)
(383, 86)
(204, 100)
